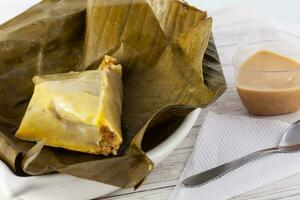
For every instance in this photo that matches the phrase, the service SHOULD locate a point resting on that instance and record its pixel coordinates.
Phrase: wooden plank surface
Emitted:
(228, 30)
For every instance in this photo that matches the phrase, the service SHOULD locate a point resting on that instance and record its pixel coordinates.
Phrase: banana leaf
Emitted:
(171, 66)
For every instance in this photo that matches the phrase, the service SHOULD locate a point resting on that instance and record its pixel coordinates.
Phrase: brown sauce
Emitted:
(269, 84)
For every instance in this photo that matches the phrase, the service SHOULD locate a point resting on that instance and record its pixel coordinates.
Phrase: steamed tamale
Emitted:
(78, 111)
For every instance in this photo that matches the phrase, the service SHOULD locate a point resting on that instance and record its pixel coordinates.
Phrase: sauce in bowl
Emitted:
(269, 84)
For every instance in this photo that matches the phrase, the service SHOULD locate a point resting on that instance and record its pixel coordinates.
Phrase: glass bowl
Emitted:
(269, 82)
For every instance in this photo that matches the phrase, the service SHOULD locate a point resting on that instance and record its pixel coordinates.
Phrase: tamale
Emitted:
(78, 111)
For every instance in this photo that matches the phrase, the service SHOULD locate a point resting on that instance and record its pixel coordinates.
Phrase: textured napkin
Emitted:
(224, 138)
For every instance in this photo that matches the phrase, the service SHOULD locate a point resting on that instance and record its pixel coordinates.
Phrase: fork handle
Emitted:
(206, 176)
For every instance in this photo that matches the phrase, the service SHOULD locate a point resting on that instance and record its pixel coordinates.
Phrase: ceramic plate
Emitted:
(60, 186)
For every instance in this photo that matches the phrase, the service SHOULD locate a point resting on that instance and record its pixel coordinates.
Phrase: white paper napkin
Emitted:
(224, 138)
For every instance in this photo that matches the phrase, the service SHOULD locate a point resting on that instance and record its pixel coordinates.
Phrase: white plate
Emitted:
(59, 186)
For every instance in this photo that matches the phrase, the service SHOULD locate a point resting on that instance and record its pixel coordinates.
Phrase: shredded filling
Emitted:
(109, 142)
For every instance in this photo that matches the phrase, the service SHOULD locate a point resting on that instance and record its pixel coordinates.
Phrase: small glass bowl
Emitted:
(265, 91)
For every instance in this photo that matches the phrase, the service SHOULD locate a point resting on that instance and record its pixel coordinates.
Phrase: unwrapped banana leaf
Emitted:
(170, 64)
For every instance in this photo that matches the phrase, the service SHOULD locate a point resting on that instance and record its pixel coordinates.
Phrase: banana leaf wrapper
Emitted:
(170, 65)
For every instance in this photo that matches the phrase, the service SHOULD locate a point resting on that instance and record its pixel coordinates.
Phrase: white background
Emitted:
(286, 10)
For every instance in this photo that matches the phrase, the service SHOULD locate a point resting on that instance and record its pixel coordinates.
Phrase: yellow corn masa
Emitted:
(79, 111)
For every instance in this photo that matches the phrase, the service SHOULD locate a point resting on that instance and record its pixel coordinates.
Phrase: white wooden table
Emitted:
(158, 186)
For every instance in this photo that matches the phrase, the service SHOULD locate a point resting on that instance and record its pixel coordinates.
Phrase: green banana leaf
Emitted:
(171, 66)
